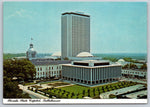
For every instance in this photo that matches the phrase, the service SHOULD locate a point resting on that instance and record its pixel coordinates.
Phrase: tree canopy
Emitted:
(19, 68)
(13, 68)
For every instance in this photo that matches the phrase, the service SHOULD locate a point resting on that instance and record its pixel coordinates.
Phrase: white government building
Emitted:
(75, 34)
(91, 72)
(47, 68)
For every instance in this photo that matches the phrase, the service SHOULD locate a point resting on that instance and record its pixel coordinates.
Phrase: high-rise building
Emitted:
(75, 34)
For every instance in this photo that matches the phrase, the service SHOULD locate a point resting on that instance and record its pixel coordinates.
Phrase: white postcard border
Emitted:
(76, 101)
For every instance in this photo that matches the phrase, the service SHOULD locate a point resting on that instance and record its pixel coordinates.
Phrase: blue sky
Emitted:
(116, 27)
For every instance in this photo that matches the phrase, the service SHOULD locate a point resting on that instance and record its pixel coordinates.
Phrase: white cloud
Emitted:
(22, 13)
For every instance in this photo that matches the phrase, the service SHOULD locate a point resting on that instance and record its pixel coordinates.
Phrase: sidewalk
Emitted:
(24, 88)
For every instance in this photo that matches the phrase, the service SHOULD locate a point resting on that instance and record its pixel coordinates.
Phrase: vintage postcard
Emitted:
(69, 52)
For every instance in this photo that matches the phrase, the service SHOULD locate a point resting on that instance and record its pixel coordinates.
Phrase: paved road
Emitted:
(37, 95)
(119, 91)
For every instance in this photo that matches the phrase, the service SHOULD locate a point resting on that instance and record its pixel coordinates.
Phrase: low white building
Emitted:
(134, 73)
(47, 68)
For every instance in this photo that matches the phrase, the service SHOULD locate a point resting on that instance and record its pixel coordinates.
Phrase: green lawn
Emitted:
(78, 91)
(75, 88)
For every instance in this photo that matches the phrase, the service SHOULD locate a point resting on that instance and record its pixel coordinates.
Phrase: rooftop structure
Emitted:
(75, 13)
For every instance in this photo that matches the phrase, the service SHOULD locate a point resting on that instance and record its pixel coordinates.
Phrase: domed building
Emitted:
(31, 53)
(121, 61)
(84, 54)
(56, 54)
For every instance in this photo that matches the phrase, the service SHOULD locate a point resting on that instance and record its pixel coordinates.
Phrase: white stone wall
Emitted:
(43, 71)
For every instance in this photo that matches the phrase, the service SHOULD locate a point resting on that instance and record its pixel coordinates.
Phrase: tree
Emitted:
(11, 90)
(72, 94)
(88, 92)
(144, 66)
(83, 92)
(110, 58)
(15, 68)
(126, 66)
(66, 58)
(133, 66)
(19, 68)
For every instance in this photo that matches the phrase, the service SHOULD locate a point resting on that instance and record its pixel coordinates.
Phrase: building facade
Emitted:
(47, 68)
(129, 73)
(75, 34)
(91, 72)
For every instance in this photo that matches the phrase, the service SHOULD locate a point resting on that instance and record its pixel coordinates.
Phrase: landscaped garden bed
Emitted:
(77, 91)
(57, 84)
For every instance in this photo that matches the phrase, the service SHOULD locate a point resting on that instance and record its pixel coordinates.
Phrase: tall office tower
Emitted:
(75, 34)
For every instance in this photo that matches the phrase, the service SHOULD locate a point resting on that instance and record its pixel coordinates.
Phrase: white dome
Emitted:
(84, 54)
(56, 54)
(121, 60)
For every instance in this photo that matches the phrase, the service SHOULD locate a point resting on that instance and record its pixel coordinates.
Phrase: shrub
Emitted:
(28, 88)
(112, 96)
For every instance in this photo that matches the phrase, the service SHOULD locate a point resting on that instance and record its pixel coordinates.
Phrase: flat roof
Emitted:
(50, 62)
(75, 13)
(102, 66)
(92, 61)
